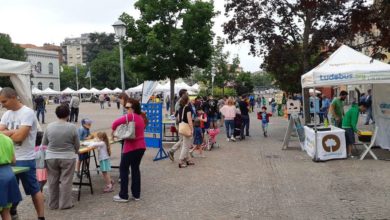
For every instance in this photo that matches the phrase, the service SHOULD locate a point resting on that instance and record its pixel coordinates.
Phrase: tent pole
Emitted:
(315, 125)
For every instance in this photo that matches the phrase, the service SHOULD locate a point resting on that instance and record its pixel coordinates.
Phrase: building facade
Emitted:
(74, 50)
(46, 68)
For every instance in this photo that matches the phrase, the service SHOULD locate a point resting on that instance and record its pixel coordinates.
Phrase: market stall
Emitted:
(347, 66)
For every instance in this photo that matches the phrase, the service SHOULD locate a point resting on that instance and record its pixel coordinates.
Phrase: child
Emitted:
(198, 138)
(213, 133)
(103, 146)
(84, 134)
(202, 116)
(264, 117)
(9, 193)
(40, 152)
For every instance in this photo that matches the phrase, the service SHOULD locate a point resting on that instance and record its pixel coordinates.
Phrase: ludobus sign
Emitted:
(340, 76)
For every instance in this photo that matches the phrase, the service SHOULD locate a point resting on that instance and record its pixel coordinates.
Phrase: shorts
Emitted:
(29, 178)
(349, 136)
(105, 165)
(212, 118)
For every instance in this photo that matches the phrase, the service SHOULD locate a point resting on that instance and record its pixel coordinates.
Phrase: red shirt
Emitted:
(202, 116)
(139, 141)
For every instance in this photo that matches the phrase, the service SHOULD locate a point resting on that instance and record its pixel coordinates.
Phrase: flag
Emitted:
(88, 75)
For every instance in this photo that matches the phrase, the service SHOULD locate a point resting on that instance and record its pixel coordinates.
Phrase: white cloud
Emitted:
(43, 21)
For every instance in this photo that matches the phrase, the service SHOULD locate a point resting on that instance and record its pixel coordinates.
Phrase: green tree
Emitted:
(99, 42)
(244, 84)
(68, 77)
(170, 38)
(262, 80)
(10, 51)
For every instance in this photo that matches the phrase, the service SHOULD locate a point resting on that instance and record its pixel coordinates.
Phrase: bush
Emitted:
(218, 92)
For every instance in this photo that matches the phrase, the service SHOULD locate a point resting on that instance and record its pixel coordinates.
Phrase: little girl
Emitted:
(103, 146)
(198, 138)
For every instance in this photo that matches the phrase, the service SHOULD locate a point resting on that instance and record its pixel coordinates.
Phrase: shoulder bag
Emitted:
(184, 128)
(126, 131)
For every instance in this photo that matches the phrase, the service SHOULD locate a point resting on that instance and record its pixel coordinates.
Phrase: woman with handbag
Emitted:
(62, 141)
(185, 130)
(133, 149)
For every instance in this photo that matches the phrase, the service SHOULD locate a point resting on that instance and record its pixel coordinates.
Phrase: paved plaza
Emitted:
(251, 179)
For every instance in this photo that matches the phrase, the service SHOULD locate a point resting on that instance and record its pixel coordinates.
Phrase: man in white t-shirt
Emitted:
(20, 124)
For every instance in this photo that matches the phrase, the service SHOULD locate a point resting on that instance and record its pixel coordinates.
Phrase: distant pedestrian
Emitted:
(264, 117)
(40, 107)
(198, 139)
(244, 109)
(229, 113)
(101, 101)
(368, 101)
(74, 108)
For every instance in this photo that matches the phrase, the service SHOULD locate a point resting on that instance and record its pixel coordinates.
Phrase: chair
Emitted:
(368, 146)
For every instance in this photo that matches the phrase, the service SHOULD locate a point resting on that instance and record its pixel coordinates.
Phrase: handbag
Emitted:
(184, 128)
(126, 131)
(40, 156)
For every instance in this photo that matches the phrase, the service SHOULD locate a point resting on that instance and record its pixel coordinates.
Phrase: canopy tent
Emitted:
(347, 66)
(196, 87)
(84, 91)
(117, 90)
(68, 91)
(50, 91)
(137, 88)
(106, 91)
(312, 91)
(183, 85)
(94, 90)
(19, 73)
(163, 88)
(36, 91)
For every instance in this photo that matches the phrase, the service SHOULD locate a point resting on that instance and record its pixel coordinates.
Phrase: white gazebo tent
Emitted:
(106, 91)
(137, 88)
(94, 90)
(19, 74)
(196, 87)
(84, 91)
(117, 90)
(347, 66)
(36, 91)
(50, 91)
(68, 91)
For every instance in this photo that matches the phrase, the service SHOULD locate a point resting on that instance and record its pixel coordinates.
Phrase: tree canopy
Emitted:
(99, 42)
(10, 51)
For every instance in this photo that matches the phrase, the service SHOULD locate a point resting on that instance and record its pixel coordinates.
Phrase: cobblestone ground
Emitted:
(251, 179)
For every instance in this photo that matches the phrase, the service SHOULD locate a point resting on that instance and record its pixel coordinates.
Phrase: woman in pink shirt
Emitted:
(229, 113)
(132, 152)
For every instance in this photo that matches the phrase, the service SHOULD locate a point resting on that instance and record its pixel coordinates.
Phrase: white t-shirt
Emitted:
(102, 149)
(22, 117)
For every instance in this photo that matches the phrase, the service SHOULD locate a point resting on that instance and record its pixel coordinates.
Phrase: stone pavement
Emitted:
(251, 179)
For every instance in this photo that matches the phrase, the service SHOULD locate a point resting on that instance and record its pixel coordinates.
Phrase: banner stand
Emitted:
(153, 132)
(294, 122)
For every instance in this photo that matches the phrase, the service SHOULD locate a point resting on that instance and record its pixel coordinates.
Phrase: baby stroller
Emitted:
(237, 126)
(212, 140)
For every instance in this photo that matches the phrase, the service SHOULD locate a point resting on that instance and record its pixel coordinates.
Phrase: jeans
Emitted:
(131, 159)
(41, 111)
(74, 114)
(101, 104)
(229, 124)
(369, 115)
(245, 125)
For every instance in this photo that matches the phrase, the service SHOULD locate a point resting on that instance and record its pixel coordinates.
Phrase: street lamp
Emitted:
(120, 32)
(212, 80)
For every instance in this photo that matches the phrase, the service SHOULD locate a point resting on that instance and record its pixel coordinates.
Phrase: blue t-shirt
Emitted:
(264, 117)
(83, 133)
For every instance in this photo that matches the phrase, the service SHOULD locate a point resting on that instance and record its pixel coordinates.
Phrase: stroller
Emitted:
(237, 126)
(212, 140)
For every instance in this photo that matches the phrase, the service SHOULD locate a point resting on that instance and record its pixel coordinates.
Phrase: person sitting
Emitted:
(349, 124)
(84, 134)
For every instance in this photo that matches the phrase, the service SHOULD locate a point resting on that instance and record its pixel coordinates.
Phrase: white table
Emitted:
(330, 144)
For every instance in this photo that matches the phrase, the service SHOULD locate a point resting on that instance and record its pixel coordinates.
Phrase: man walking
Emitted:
(337, 109)
(175, 147)
(19, 123)
(368, 102)
(40, 106)
(244, 109)
(74, 108)
(101, 101)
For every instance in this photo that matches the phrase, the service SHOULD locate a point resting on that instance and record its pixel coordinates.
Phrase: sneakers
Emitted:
(233, 139)
(136, 199)
(228, 139)
(171, 155)
(117, 198)
(15, 217)
(108, 188)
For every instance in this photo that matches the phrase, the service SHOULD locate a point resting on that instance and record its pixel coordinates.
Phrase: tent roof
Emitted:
(68, 91)
(106, 91)
(347, 66)
(117, 90)
(11, 67)
(49, 91)
(94, 90)
(137, 88)
(36, 91)
(83, 91)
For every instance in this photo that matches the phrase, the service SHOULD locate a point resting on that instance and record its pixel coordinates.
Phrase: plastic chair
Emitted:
(368, 146)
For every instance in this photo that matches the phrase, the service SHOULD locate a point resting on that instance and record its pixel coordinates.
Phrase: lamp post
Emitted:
(212, 80)
(120, 32)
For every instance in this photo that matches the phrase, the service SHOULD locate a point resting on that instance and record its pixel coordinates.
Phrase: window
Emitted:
(50, 68)
(38, 67)
(40, 85)
(51, 85)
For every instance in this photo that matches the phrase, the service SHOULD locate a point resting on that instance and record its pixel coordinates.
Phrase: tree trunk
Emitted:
(305, 57)
(172, 81)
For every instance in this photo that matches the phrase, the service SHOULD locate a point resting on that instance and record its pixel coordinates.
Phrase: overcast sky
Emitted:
(43, 21)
